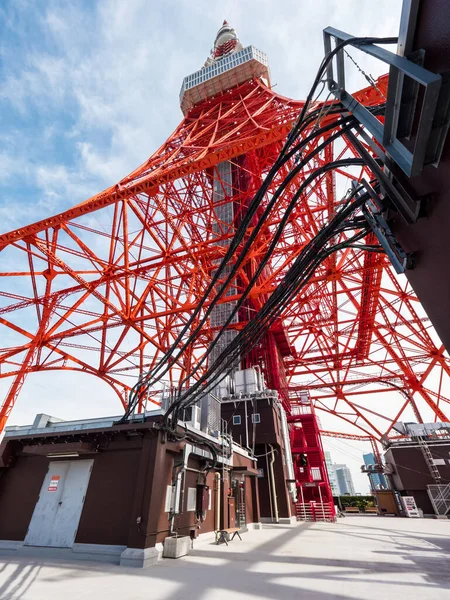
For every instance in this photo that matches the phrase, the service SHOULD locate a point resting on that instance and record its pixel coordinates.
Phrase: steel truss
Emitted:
(104, 287)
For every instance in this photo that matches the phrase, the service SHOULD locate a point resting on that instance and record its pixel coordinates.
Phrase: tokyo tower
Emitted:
(213, 244)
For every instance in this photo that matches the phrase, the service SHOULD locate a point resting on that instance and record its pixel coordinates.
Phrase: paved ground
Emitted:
(356, 558)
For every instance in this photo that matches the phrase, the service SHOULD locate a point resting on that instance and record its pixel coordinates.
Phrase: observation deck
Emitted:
(223, 74)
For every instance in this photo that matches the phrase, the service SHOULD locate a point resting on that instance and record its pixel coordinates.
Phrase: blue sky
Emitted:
(88, 90)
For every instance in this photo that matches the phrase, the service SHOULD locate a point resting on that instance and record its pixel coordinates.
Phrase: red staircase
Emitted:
(315, 500)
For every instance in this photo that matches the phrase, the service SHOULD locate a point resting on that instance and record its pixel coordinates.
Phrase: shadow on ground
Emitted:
(279, 568)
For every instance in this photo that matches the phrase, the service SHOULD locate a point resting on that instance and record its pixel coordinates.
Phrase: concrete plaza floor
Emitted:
(356, 558)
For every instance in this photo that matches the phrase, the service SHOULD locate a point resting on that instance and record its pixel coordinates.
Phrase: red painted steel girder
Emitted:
(345, 436)
(109, 300)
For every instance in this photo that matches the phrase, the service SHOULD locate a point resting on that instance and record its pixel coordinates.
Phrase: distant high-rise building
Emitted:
(344, 480)
(377, 480)
(331, 474)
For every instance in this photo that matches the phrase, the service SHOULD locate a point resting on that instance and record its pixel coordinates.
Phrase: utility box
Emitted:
(246, 381)
(176, 546)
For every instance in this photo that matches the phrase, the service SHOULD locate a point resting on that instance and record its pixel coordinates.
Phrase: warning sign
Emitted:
(54, 483)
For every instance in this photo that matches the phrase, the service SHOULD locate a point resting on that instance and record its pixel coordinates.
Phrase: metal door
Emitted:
(58, 510)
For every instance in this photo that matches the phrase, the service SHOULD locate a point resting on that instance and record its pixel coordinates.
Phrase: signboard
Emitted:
(53, 487)
(410, 506)
(309, 484)
(260, 472)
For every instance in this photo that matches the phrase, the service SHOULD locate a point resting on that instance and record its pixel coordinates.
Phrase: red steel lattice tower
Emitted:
(109, 301)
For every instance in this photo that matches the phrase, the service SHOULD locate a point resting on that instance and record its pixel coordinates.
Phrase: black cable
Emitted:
(250, 240)
(326, 60)
(256, 229)
(264, 260)
(269, 252)
(219, 364)
(291, 137)
(146, 381)
(239, 234)
(250, 326)
(272, 246)
(293, 291)
(361, 234)
(166, 358)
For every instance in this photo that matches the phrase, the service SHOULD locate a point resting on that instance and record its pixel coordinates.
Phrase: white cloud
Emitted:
(9, 167)
(121, 68)
(58, 184)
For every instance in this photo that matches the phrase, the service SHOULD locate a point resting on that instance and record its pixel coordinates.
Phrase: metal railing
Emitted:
(439, 495)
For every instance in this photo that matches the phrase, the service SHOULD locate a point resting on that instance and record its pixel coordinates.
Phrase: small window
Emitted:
(256, 418)
(209, 499)
(192, 499)
(236, 419)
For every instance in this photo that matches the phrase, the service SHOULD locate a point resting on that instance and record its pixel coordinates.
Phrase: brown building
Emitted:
(257, 421)
(421, 469)
(116, 492)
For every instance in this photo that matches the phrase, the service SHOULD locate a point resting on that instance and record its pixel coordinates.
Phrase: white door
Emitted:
(57, 512)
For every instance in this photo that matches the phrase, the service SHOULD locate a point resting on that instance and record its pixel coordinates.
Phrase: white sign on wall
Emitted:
(53, 486)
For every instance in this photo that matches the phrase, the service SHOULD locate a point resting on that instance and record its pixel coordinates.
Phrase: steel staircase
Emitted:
(315, 511)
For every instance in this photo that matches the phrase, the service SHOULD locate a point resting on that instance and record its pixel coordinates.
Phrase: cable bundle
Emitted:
(298, 274)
